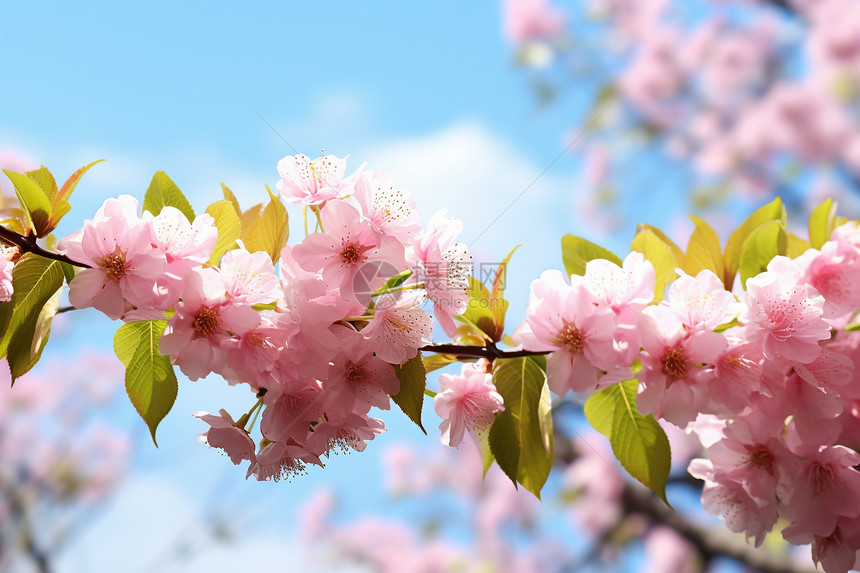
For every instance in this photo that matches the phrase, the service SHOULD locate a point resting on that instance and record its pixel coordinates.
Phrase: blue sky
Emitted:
(427, 92)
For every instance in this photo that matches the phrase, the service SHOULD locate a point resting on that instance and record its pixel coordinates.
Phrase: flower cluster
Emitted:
(316, 337)
(773, 365)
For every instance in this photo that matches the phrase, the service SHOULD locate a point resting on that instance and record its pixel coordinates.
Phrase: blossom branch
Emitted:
(490, 351)
(28, 245)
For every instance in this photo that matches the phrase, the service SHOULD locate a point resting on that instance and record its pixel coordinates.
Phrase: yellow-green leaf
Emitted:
(576, 252)
(773, 211)
(479, 314)
(703, 250)
(229, 228)
(269, 231)
(822, 222)
(661, 255)
(498, 304)
(163, 192)
(60, 202)
(45, 180)
(437, 361)
(33, 199)
(35, 282)
(761, 246)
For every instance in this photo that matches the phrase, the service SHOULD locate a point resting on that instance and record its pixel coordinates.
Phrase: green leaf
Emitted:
(795, 246)
(676, 250)
(522, 443)
(773, 211)
(703, 250)
(149, 377)
(413, 380)
(661, 255)
(35, 280)
(638, 442)
(822, 221)
(33, 199)
(487, 457)
(227, 223)
(228, 195)
(761, 246)
(163, 192)
(576, 252)
(395, 281)
(504, 442)
(437, 361)
(479, 313)
(60, 202)
(269, 231)
(21, 359)
(45, 180)
(498, 304)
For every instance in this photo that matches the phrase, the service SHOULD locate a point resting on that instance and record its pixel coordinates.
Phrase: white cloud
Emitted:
(478, 176)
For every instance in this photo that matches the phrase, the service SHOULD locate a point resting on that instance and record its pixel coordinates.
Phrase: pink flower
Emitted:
(785, 316)
(824, 489)
(204, 323)
(398, 327)
(224, 434)
(351, 432)
(627, 290)
(186, 244)
(125, 264)
(250, 277)
(674, 363)
(348, 244)
(391, 211)
(565, 319)
(442, 265)
(7, 265)
(729, 500)
(313, 182)
(466, 402)
(357, 378)
(279, 460)
(701, 302)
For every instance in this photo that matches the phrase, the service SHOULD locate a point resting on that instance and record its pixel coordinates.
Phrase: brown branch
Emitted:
(490, 351)
(28, 245)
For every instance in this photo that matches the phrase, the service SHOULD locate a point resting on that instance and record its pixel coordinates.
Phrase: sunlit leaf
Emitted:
(661, 255)
(37, 206)
(773, 211)
(703, 250)
(761, 246)
(413, 381)
(35, 281)
(227, 223)
(60, 203)
(822, 222)
(149, 377)
(269, 231)
(576, 252)
(638, 442)
(525, 427)
(163, 192)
